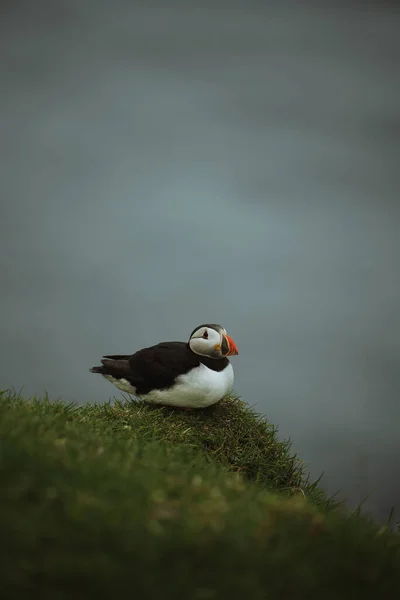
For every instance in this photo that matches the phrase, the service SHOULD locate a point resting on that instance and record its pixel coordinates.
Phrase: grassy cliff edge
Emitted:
(125, 498)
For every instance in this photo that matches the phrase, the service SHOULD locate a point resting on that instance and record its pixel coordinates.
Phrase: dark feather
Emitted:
(156, 367)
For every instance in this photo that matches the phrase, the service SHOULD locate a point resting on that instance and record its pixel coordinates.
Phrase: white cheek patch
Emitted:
(205, 346)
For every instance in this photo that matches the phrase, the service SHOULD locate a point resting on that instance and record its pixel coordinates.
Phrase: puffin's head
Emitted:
(212, 341)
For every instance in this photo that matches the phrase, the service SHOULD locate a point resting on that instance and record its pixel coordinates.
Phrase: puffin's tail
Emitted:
(115, 365)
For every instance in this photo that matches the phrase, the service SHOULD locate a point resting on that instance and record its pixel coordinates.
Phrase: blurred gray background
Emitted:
(166, 164)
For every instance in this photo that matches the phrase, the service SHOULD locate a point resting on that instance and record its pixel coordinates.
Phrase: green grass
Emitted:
(128, 500)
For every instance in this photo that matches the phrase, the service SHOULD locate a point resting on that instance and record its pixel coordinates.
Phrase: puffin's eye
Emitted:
(205, 334)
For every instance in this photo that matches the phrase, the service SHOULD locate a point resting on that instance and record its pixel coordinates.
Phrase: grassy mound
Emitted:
(228, 433)
(106, 500)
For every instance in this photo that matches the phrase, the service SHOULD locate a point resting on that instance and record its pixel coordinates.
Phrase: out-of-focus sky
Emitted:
(168, 164)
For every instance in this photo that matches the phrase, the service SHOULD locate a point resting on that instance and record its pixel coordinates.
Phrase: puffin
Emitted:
(193, 374)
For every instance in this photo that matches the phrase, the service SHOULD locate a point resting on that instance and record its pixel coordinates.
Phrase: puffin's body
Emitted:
(195, 374)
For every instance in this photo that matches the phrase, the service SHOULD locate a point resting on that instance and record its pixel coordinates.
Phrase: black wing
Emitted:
(156, 367)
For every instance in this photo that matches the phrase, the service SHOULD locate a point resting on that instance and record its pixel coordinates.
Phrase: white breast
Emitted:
(198, 388)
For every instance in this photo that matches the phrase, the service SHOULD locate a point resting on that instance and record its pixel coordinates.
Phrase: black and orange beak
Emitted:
(228, 346)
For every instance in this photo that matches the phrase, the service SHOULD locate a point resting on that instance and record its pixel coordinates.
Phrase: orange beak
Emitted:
(231, 345)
